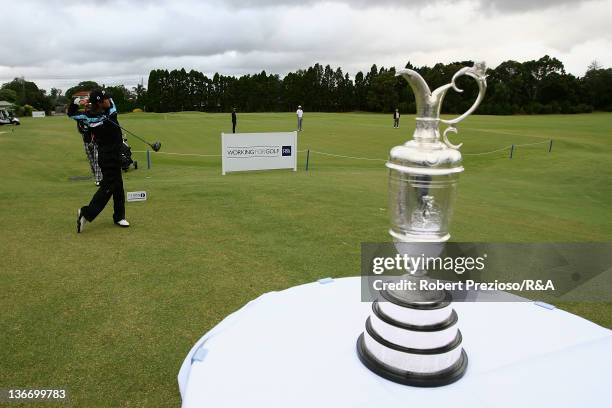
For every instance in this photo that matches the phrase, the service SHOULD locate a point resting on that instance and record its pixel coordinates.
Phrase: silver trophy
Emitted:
(412, 337)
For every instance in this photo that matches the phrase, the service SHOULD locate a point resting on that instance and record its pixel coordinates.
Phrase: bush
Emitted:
(27, 110)
(137, 110)
(546, 110)
(403, 107)
(536, 108)
(566, 107)
(555, 107)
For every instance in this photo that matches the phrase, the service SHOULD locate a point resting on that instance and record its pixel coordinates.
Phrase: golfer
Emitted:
(396, 118)
(234, 119)
(300, 116)
(102, 120)
(91, 150)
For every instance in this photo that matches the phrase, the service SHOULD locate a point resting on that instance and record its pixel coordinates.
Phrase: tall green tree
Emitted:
(7, 94)
(28, 93)
(124, 100)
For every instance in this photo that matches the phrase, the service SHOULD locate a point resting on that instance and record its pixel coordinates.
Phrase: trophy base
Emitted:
(435, 379)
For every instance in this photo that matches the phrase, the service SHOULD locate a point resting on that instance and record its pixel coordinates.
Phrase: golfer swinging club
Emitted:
(102, 120)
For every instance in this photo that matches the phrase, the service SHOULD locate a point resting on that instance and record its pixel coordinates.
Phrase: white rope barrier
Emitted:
(190, 154)
(531, 144)
(180, 154)
(351, 157)
(346, 157)
(492, 151)
(506, 148)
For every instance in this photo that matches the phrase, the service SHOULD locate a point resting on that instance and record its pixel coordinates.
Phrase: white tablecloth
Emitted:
(296, 348)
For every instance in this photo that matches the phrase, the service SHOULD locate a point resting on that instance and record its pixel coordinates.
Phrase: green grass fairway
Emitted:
(111, 313)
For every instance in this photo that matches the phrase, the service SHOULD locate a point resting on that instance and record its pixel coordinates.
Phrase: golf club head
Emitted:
(156, 146)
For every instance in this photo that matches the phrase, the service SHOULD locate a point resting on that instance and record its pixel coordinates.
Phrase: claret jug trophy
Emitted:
(412, 336)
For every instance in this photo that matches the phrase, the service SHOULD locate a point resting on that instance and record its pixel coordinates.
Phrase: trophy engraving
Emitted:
(427, 217)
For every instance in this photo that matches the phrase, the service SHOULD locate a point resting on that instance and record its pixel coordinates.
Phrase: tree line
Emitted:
(533, 87)
(26, 96)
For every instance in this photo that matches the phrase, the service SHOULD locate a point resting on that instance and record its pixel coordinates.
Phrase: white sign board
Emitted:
(136, 196)
(38, 114)
(258, 151)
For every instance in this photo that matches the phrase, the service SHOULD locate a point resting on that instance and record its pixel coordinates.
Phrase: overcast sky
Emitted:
(59, 43)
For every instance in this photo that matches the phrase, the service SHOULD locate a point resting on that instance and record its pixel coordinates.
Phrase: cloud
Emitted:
(524, 5)
(514, 5)
(119, 41)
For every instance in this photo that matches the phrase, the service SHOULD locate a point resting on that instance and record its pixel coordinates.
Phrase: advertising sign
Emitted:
(258, 151)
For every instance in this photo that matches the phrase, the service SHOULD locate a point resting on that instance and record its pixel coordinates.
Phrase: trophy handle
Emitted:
(478, 73)
(451, 129)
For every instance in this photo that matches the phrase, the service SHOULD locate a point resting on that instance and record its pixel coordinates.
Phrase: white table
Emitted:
(296, 348)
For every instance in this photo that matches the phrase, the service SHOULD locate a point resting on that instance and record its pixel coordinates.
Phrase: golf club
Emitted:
(155, 146)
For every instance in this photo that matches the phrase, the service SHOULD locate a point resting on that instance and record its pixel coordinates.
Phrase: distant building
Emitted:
(5, 105)
(60, 109)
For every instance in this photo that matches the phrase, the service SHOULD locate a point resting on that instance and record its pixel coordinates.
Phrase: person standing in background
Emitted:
(396, 118)
(234, 119)
(300, 115)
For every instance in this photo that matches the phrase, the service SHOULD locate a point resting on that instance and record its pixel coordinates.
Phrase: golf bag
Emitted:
(91, 150)
(126, 156)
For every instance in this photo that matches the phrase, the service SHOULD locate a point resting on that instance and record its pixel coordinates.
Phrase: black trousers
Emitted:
(233, 127)
(111, 186)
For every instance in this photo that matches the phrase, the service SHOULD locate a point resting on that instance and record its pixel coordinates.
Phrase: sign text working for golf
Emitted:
(258, 151)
